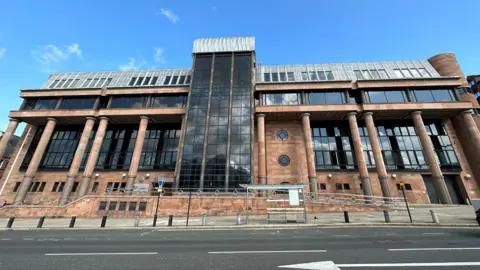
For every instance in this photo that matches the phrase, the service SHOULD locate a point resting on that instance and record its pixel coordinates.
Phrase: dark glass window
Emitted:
(60, 150)
(323, 186)
(326, 98)
(109, 80)
(132, 206)
(77, 103)
(167, 80)
(282, 135)
(168, 101)
(35, 187)
(444, 153)
(174, 80)
(284, 160)
(367, 148)
(385, 96)
(117, 147)
(338, 186)
(407, 187)
(400, 145)
(266, 77)
(95, 187)
(40, 104)
(274, 77)
(188, 79)
(42, 187)
(102, 206)
(439, 95)
(132, 81)
(283, 77)
(305, 76)
(147, 80)
(332, 146)
(322, 76)
(17, 185)
(112, 206)
(346, 186)
(55, 186)
(291, 76)
(128, 102)
(62, 185)
(329, 75)
(54, 84)
(74, 187)
(313, 76)
(283, 99)
(142, 206)
(159, 149)
(181, 80)
(122, 206)
(154, 80)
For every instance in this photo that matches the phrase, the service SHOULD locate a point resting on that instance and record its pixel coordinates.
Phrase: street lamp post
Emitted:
(402, 185)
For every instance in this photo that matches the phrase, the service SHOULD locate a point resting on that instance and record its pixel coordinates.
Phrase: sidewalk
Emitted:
(448, 216)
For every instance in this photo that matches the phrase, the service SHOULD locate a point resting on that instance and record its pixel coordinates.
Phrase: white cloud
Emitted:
(2, 52)
(214, 9)
(169, 14)
(133, 64)
(159, 56)
(49, 55)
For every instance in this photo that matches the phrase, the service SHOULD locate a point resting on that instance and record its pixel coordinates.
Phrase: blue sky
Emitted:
(42, 37)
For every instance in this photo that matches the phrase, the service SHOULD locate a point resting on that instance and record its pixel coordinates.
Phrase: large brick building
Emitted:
(358, 128)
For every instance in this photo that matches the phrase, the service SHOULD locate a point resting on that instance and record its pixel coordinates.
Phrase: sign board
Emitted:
(140, 187)
(293, 197)
(161, 182)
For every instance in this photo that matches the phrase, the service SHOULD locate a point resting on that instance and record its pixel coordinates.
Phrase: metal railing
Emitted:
(354, 199)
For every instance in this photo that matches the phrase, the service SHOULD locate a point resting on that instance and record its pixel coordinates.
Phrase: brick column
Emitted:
(137, 151)
(472, 129)
(307, 137)
(262, 169)
(437, 176)
(7, 135)
(77, 160)
(357, 146)
(35, 162)
(92, 157)
(377, 155)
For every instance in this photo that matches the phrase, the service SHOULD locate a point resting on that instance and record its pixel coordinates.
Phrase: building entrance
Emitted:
(452, 186)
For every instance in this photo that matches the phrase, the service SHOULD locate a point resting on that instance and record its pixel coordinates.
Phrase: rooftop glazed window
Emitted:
(40, 104)
(77, 103)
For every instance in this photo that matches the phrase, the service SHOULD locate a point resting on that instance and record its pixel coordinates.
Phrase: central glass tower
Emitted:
(217, 148)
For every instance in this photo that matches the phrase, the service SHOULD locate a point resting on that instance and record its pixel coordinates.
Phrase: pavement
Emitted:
(451, 216)
(310, 248)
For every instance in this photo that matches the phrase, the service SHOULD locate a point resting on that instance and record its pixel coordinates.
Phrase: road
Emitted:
(347, 248)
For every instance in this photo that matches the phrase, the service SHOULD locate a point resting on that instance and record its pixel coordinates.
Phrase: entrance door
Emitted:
(432, 195)
(453, 189)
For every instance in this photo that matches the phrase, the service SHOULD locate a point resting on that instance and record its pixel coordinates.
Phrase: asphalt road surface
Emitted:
(313, 248)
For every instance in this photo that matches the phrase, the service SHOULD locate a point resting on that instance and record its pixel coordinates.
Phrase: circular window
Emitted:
(282, 135)
(283, 160)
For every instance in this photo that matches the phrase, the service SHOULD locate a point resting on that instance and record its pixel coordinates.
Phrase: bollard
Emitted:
(72, 222)
(155, 217)
(10, 222)
(104, 221)
(137, 221)
(434, 216)
(387, 216)
(239, 219)
(170, 220)
(347, 218)
(40, 222)
(204, 220)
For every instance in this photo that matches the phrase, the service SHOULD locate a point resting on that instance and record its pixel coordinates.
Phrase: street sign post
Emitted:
(402, 185)
(160, 182)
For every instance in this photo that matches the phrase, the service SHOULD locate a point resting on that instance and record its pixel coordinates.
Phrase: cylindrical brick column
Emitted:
(362, 165)
(77, 160)
(446, 64)
(307, 137)
(92, 157)
(7, 135)
(377, 155)
(262, 170)
(472, 129)
(437, 176)
(137, 151)
(35, 161)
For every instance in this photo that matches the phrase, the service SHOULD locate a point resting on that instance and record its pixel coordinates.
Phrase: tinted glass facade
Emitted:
(217, 143)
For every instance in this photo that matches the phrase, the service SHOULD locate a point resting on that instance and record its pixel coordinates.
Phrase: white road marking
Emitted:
(93, 254)
(432, 249)
(28, 239)
(439, 264)
(330, 265)
(341, 235)
(433, 233)
(266, 251)
(6, 239)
